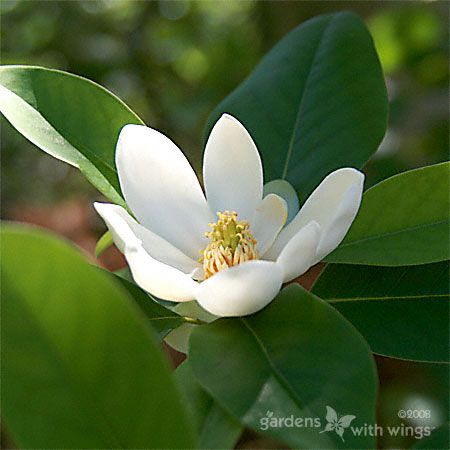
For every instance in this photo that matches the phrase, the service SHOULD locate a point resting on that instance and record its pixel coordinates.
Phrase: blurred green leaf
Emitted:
(162, 319)
(403, 220)
(103, 243)
(80, 367)
(438, 440)
(316, 102)
(392, 307)
(215, 427)
(69, 117)
(295, 357)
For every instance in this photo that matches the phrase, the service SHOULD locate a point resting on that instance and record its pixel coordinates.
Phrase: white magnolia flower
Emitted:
(230, 251)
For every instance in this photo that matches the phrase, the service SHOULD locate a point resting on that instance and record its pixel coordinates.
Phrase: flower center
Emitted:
(232, 243)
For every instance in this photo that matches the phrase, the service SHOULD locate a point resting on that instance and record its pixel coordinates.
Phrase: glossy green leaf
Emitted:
(162, 319)
(401, 311)
(294, 358)
(316, 102)
(342, 282)
(80, 367)
(215, 427)
(438, 440)
(403, 220)
(69, 117)
(103, 243)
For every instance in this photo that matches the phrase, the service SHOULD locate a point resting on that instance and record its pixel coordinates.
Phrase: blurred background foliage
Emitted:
(173, 61)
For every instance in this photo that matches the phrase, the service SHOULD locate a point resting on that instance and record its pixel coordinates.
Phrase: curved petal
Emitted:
(161, 188)
(269, 219)
(337, 228)
(154, 245)
(232, 170)
(161, 280)
(286, 191)
(329, 204)
(240, 290)
(299, 254)
(151, 275)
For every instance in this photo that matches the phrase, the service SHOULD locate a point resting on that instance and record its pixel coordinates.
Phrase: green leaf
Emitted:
(103, 243)
(438, 440)
(294, 358)
(347, 282)
(392, 307)
(162, 319)
(403, 220)
(69, 117)
(316, 102)
(215, 427)
(125, 274)
(80, 367)
(178, 338)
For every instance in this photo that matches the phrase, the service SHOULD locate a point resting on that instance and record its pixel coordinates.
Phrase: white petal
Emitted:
(269, 219)
(330, 204)
(161, 188)
(240, 290)
(285, 190)
(151, 275)
(161, 280)
(232, 169)
(154, 245)
(337, 228)
(299, 254)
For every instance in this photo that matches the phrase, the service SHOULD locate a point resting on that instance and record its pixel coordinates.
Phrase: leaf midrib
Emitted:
(82, 155)
(302, 96)
(387, 298)
(166, 318)
(286, 385)
(392, 233)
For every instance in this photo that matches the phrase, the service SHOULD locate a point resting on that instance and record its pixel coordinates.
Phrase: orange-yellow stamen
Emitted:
(231, 244)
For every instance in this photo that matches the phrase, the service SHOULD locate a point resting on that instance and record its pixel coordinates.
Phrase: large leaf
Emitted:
(294, 358)
(69, 117)
(403, 220)
(391, 305)
(80, 367)
(316, 102)
(215, 427)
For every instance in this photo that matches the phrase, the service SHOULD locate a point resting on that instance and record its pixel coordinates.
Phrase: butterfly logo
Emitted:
(338, 424)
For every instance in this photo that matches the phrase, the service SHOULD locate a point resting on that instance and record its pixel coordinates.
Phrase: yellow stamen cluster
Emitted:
(232, 243)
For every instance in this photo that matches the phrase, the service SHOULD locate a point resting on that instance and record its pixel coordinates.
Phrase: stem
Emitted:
(194, 321)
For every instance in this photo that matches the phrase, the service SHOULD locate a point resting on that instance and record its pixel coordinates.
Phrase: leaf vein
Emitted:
(300, 107)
